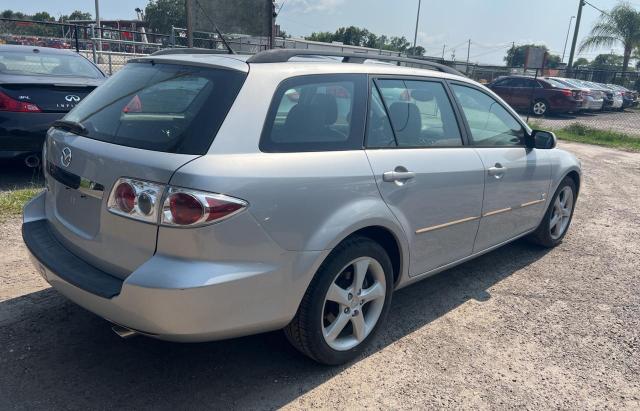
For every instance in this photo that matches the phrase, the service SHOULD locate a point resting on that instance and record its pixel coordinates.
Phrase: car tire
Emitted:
(332, 332)
(540, 107)
(551, 232)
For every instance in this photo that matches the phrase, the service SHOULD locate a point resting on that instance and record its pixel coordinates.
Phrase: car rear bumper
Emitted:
(24, 133)
(176, 299)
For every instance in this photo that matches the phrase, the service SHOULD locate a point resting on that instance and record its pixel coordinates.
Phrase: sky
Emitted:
(492, 25)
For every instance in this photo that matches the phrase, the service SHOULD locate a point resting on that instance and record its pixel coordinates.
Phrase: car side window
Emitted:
(417, 113)
(490, 123)
(316, 113)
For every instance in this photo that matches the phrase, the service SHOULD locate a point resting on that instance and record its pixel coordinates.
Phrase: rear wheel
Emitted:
(344, 304)
(540, 107)
(556, 221)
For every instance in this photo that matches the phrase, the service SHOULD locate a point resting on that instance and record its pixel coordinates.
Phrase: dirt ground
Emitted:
(519, 327)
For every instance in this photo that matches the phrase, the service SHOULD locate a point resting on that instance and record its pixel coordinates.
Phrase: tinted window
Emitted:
(490, 123)
(316, 113)
(420, 112)
(504, 83)
(555, 83)
(37, 64)
(161, 107)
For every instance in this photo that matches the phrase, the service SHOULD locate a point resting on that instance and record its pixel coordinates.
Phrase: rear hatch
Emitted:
(50, 93)
(144, 123)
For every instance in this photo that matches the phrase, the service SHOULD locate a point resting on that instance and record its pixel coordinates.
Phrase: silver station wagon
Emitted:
(199, 196)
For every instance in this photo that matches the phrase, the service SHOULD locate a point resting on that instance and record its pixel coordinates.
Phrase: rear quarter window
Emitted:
(161, 107)
(316, 113)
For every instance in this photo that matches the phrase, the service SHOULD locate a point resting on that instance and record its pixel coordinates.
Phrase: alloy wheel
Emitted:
(539, 108)
(353, 303)
(561, 214)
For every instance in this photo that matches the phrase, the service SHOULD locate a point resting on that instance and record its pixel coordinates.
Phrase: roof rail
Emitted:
(188, 50)
(284, 55)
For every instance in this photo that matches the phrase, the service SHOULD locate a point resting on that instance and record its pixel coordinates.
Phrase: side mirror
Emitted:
(543, 140)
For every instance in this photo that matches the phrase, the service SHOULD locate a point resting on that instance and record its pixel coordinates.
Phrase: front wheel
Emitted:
(345, 303)
(556, 221)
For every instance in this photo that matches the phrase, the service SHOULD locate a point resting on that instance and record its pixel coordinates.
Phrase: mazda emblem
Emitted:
(72, 98)
(65, 158)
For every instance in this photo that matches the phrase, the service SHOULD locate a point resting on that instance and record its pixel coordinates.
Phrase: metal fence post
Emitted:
(110, 69)
(75, 33)
(93, 43)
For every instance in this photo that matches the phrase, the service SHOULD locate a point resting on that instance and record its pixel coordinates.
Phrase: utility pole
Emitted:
(513, 53)
(566, 41)
(575, 35)
(468, 53)
(443, 47)
(415, 36)
(189, 11)
(97, 3)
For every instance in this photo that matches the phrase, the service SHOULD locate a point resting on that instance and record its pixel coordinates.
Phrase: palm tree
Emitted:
(621, 26)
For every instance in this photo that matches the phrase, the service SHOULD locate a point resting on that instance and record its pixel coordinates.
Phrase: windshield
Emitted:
(31, 63)
(160, 107)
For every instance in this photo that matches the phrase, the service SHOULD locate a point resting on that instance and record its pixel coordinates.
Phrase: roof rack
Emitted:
(188, 50)
(284, 55)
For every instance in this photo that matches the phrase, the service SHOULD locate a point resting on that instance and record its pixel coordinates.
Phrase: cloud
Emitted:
(309, 6)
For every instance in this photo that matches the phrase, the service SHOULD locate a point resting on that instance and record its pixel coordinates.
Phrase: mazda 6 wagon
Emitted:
(198, 196)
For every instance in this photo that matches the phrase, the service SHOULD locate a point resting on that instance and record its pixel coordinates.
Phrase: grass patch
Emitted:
(11, 202)
(583, 134)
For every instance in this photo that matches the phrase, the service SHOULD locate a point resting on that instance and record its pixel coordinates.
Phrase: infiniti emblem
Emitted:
(72, 98)
(65, 158)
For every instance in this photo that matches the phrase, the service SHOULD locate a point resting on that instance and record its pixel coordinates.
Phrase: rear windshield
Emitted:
(160, 107)
(31, 63)
(555, 83)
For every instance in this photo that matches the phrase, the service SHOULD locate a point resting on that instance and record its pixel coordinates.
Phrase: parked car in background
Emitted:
(630, 98)
(199, 197)
(538, 95)
(38, 86)
(608, 94)
(592, 100)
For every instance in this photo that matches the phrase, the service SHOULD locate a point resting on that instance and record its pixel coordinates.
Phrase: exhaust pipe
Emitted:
(123, 332)
(32, 161)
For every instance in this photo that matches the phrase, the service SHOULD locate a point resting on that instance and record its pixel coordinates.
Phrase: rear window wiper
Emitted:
(72, 126)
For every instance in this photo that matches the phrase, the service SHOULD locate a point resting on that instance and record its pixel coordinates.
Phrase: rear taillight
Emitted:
(566, 92)
(9, 104)
(136, 199)
(170, 206)
(183, 207)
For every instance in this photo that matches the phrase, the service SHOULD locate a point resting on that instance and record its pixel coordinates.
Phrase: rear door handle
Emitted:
(391, 176)
(497, 171)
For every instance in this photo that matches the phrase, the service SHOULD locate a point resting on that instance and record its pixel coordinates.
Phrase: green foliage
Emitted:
(620, 26)
(583, 134)
(11, 202)
(581, 62)
(355, 36)
(162, 14)
(517, 55)
(607, 62)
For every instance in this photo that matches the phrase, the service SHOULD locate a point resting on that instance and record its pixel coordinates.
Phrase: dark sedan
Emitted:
(541, 96)
(38, 85)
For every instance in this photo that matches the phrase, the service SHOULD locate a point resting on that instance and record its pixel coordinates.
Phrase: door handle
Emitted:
(391, 176)
(497, 171)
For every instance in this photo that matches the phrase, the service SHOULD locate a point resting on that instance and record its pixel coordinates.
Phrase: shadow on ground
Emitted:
(14, 174)
(56, 355)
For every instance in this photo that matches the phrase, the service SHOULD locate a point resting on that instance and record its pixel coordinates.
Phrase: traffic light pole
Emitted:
(575, 35)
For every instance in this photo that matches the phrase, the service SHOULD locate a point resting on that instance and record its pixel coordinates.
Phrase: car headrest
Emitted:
(406, 120)
(328, 106)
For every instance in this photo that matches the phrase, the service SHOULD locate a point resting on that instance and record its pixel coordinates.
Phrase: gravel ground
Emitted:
(627, 122)
(519, 327)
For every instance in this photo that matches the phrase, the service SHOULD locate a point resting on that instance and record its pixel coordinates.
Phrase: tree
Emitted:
(607, 62)
(416, 51)
(43, 16)
(355, 36)
(580, 62)
(620, 26)
(517, 55)
(162, 14)
(77, 15)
